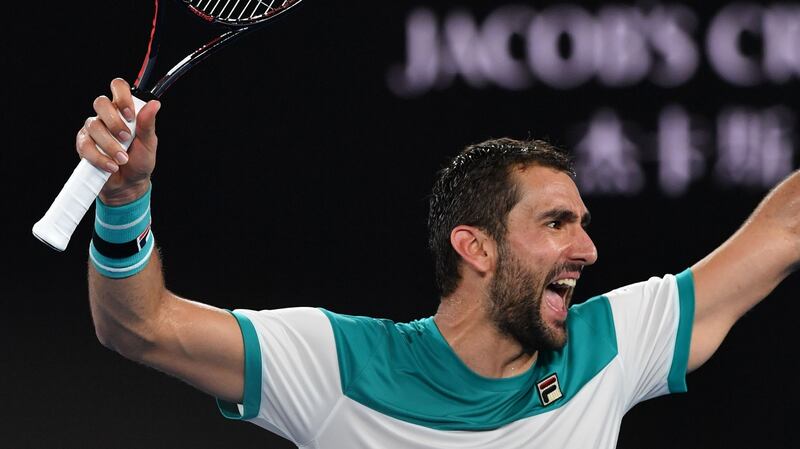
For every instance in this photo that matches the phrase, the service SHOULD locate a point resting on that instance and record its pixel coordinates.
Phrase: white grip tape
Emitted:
(59, 222)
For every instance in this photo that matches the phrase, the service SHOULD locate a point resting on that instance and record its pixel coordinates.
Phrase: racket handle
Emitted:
(59, 222)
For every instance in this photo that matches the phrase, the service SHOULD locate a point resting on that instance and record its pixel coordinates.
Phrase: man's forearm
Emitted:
(752, 262)
(125, 311)
(779, 213)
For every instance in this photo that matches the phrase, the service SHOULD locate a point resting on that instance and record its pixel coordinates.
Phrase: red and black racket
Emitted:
(225, 20)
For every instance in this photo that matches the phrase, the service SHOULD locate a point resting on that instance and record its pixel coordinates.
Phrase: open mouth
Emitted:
(557, 293)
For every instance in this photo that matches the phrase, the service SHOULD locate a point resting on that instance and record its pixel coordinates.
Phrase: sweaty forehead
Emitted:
(543, 188)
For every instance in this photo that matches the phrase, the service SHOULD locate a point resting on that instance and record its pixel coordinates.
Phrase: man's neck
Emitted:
(464, 322)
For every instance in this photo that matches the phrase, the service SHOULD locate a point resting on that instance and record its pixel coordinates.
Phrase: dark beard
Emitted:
(515, 305)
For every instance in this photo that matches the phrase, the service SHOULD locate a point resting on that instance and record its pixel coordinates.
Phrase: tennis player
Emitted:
(504, 363)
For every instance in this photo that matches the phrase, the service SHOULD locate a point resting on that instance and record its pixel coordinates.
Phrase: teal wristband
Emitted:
(122, 242)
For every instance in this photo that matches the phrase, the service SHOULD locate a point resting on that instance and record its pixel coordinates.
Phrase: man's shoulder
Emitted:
(361, 326)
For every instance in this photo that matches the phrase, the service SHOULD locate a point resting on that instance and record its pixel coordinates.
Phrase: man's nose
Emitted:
(583, 248)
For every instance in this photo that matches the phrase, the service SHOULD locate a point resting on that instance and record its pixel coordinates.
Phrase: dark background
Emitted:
(289, 174)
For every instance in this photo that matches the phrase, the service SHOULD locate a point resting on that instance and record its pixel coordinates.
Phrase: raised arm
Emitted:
(134, 314)
(746, 268)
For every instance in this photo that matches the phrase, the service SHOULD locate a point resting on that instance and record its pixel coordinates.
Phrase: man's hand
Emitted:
(131, 171)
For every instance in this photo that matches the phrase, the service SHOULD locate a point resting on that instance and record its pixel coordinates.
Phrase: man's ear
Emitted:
(477, 249)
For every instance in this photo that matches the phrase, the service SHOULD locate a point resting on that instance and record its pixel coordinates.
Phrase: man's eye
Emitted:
(554, 224)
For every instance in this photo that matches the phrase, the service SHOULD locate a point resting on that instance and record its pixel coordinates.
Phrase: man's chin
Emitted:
(557, 334)
(549, 337)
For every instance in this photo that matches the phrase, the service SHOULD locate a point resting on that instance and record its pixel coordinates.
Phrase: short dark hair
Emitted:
(476, 189)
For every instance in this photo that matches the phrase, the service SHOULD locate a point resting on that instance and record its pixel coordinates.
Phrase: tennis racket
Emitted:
(224, 21)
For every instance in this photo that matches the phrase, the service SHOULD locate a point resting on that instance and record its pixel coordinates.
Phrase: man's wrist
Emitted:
(120, 197)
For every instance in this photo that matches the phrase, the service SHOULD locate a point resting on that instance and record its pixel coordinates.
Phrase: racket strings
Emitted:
(240, 11)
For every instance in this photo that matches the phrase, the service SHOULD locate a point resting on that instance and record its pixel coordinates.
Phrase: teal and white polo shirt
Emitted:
(330, 381)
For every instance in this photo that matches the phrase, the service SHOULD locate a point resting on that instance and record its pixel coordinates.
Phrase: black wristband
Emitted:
(120, 250)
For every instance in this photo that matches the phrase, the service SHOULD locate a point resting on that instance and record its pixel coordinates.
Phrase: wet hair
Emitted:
(476, 189)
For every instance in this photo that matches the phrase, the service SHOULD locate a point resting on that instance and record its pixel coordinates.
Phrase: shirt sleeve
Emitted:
(291, 372)
(653, 323)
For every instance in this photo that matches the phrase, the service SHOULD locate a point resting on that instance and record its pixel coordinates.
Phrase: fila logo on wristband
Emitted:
(141, 240)
(549, 390)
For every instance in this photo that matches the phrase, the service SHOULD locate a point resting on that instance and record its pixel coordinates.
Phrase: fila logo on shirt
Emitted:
(549, 390)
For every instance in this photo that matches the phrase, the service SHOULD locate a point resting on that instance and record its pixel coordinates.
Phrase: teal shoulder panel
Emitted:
(408, 371)
(252, 374)
(592, 340)
(676, 380)
(357, 339)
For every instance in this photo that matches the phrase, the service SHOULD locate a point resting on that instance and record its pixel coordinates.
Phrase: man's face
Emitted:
(540, 259)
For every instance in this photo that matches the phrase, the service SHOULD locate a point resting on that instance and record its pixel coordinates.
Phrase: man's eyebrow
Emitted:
(586, 219)
(566, 216)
